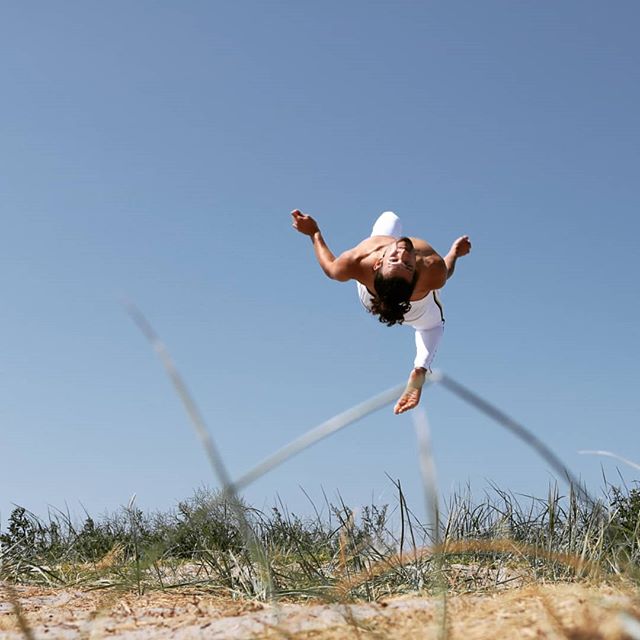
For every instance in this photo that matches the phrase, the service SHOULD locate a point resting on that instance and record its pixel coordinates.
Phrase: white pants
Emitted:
(426, 315)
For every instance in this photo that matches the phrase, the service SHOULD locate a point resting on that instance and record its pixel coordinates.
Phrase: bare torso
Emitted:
(429, 264)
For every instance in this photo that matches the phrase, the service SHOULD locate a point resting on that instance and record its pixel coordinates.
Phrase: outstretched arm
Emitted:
(341, 268)
(459, 248)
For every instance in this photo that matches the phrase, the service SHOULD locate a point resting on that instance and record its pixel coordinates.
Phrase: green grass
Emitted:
(337, 554)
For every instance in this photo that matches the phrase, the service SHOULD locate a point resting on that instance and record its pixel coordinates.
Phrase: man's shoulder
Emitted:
(369, 247)
(351, 264)
(422, 247)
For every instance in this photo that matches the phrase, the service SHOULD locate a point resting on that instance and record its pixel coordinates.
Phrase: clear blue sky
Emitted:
(155, 149)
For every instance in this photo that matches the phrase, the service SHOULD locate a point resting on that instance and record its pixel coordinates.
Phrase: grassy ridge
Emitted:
(381, 550)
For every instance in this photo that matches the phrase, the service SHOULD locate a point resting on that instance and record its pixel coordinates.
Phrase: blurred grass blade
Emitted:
(318, 433)
(608, 454)
(26, 630)
(181, 388)
(253, 544)
(430, 485)
(516, 428)
(428, 470)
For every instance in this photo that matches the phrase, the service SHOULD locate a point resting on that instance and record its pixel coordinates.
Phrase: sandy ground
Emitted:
(576, 612)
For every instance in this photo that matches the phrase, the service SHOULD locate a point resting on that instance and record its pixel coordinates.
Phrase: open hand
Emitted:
(303, 223)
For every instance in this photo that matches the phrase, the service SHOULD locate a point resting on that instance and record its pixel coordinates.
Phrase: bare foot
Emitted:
(411, 396)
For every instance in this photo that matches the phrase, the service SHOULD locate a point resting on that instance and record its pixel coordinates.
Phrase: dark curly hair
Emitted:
(391, 301)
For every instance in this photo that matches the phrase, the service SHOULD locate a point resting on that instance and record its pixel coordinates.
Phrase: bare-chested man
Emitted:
(397, 279)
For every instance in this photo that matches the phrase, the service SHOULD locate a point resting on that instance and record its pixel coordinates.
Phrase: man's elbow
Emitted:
(339, 274)
(337, 271)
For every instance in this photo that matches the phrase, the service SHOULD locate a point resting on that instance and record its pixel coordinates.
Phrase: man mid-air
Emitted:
(397, 279)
